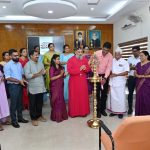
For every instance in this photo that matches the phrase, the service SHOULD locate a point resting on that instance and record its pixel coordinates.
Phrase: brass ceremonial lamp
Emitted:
(94, 123)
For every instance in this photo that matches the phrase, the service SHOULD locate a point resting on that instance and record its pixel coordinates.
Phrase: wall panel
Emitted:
(15, 35)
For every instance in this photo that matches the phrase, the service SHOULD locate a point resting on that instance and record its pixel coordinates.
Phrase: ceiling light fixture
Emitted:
(50, 11)
(66, 8)
(4, 7)
(92, 9)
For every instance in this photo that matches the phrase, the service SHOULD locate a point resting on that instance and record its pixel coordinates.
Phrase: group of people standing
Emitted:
(135, 73)
(27, 78)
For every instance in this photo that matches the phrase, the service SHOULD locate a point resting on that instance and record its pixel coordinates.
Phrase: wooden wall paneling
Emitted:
(15, 35)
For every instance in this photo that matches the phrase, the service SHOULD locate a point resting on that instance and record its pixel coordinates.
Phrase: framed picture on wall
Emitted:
(79, 38)
(94, 38)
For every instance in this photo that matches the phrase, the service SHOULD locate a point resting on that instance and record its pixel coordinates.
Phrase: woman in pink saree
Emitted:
(4, 108)
(142, 72)
(58, 106)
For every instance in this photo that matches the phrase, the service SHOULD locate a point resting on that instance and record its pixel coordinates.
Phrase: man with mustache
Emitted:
(34, 71)
(14, 75)
(104, 58)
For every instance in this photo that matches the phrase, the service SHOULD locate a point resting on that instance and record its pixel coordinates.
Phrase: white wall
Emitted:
(141, 29)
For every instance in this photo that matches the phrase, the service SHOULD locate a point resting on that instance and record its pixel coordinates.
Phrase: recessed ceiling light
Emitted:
(50, 11)
(4, 7)
(92, 9)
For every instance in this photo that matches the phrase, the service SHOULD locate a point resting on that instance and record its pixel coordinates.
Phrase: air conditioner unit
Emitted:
(135, 18)
(128, 26)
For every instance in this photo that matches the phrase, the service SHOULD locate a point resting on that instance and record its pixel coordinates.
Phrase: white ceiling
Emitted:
(74, 11)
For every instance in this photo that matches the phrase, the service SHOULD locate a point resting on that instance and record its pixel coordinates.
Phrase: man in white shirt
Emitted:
(116, 100)
(133, 60)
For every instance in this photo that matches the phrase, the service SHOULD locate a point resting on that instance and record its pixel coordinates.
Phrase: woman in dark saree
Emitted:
(142, 72)
(58, 106)
(87, 55)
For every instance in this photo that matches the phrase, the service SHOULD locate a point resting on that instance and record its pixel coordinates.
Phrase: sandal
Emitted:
(7, 122)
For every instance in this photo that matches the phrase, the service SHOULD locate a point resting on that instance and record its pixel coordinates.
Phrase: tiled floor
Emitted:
(73, 134)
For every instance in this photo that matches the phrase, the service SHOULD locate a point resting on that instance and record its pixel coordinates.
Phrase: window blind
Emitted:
(127, 46)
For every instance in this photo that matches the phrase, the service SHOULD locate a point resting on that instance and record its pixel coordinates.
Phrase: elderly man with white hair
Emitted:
(116, 100)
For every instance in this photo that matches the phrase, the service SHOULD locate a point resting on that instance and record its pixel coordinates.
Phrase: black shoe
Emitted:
(15, 125)
(98, 115)
(23, 120)
(130, 112)
(104, 113)
(120, 116)
(111, 115)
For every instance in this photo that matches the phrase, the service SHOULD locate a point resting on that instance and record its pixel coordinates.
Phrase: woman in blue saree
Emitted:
(64, 57)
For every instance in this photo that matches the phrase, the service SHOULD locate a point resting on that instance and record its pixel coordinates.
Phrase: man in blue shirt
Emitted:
(14, 75)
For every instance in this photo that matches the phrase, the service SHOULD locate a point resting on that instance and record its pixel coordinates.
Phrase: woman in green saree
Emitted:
(46, 60)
